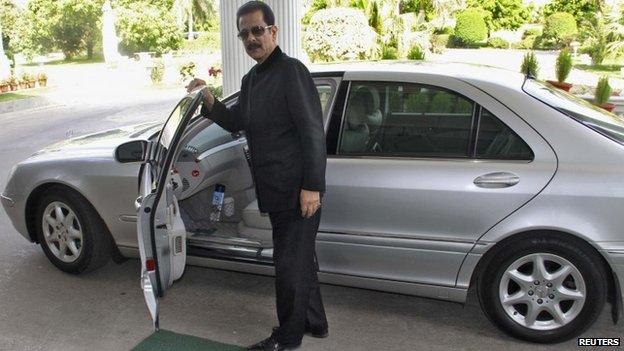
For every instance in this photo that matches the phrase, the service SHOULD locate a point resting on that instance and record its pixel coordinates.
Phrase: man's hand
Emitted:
(310, 202)
(208, 98)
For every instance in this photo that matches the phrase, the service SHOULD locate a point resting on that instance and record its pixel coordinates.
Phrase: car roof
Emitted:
(473, 73)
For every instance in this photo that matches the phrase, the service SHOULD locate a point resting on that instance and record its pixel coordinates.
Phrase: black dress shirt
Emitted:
(280, 111)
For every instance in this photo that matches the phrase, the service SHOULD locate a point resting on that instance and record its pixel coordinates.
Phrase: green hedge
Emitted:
(470, 28)
(561, 27)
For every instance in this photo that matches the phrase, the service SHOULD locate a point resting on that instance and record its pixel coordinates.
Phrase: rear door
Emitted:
(161, 232)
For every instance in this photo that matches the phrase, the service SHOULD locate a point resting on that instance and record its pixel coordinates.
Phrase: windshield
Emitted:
(594, 117)
(174, 120)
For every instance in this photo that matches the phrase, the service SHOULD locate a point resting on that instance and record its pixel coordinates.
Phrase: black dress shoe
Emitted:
(321, 334)
(270, 344)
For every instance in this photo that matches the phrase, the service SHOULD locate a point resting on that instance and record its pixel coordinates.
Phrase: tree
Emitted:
(9, 17)
(581, 9)
(188, 10)
(504, 14)
(76, 26)
(146, 27)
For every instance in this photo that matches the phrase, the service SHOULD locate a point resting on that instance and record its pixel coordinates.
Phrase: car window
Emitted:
(596, 118)
(325, 92)
(495, 140)
(397, 119)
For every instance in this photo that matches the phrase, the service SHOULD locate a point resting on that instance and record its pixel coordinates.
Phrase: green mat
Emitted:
(164, 340)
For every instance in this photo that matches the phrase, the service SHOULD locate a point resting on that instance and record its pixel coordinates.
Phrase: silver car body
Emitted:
(409, 225)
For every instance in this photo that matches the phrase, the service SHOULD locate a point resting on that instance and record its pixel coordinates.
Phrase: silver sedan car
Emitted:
(441, 178)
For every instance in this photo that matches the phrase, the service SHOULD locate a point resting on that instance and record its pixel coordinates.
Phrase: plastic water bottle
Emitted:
(217, 202)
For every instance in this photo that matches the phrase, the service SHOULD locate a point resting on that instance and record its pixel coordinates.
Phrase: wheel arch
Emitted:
(30, 212)
(614, 294)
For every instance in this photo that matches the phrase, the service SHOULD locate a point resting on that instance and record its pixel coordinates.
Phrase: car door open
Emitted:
(161, 232)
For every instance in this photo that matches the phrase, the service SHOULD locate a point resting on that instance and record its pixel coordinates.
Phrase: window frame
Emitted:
(476, 140)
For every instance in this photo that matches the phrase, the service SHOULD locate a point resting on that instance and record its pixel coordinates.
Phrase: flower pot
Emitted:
(43, 82)
(31, 84)
(4, 88)
(608, 106)
(561, 85)
(13, 87)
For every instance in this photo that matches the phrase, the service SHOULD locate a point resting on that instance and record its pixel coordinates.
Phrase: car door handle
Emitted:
(497, 180)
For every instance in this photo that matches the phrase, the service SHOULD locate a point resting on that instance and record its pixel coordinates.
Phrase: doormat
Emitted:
(164, 340)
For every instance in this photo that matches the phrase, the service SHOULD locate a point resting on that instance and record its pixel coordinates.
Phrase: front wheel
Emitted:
(71, 233)
(544, 288)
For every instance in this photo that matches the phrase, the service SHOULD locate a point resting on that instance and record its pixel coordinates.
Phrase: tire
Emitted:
(91, 250)
(506, 277)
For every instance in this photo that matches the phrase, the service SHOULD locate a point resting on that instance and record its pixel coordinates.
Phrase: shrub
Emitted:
(531, 32)
(416, 53)
(439, 42)
(529, 64)
(417, 102)
(564, 65)
(187, 71)
(441, 102)
(158, 71)
(507, 14)
(389, 53)
(498, 43)
(445, 30)
(470, 27)
(561, 27)
(339, 34)
(603, 91)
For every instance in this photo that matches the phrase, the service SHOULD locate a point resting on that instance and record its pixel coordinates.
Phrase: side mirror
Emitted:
(132, 151)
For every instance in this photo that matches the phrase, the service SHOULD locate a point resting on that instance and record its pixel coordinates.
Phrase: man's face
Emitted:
(259, 48)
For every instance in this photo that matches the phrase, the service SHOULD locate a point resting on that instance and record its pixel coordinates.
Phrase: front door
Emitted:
(161, 232)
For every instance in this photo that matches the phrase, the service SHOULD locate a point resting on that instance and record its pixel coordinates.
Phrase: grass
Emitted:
(609, 69)
(74, 61)
(22, 94)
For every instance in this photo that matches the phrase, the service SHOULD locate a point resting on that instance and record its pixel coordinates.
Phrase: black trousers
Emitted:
(298, 297)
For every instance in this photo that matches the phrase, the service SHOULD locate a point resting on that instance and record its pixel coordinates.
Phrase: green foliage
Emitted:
(564, 65)
(439, 42)
(417, 102)
(529, 65)
(146, 27)
(531, 32)
(416, 53)
(602, 36)
(445, 30)
(216, 90)
(470, 27)
(158, 72)
(9, 19)
(498, 43)
(529, 42)
(579, 9)
(503, 14)
(35, 26)
(561, 27)
(389, 52)
(603, 91)
(76, 26)
(187, 71)
(316, 5)
(193, 13)
(206, 42)
(374, 17)
(339, 34)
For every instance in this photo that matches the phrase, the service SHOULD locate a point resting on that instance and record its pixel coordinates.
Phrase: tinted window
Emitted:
(497, 141)
(396, 119)
(325, 94)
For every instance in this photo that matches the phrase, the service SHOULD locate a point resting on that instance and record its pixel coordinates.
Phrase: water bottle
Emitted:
(217, 202)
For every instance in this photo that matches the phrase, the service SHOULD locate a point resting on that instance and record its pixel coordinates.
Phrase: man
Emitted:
(279, 109)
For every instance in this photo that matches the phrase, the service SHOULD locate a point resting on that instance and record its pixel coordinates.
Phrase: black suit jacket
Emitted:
(280, 111)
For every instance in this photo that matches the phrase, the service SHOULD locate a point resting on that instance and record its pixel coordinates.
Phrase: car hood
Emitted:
(100, 143)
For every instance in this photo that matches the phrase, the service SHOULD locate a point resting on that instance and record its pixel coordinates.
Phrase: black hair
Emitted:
(253, 6)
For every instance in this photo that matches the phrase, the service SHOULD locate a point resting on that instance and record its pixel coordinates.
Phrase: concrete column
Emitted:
(235, 61)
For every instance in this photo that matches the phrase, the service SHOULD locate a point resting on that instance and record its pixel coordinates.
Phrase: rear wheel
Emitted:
(71, 233)
(543, 288)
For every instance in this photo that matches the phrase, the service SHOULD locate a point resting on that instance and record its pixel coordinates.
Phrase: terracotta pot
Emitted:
(43, 82)
(608, 106)
(31, 84)
(4, 88)
(13, 87)
(561, 85)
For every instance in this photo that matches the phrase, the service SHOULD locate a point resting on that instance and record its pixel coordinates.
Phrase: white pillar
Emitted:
(5, 64)
(235, 60)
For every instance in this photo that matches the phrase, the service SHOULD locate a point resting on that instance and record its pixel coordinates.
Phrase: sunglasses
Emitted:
(257, 31)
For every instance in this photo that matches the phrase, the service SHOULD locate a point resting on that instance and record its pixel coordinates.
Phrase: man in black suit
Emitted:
(280, 111)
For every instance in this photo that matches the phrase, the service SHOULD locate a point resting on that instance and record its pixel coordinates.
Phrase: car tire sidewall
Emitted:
(587, 262)
(88, 223)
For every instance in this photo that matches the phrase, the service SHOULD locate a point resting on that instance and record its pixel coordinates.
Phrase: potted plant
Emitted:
(563, 68)
(43, 79)
(602, 94)
(4, 86)
(529, 65)
(13, 83)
